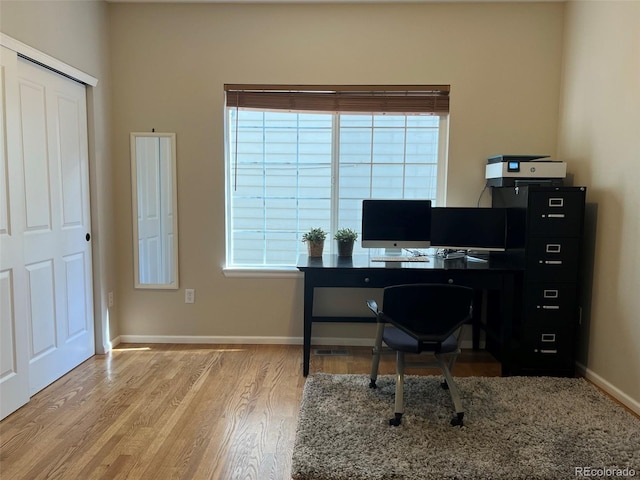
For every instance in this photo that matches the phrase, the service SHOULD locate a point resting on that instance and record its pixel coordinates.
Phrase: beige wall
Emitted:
(76, 33)
(599, 135)
(508, 74)
(170, 63)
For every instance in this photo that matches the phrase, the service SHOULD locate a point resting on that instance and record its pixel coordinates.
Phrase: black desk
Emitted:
(500, 274)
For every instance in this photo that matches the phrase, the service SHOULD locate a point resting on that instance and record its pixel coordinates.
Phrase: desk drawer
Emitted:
(474, 279)
(555, 258)
(376, 277)
(384, 277)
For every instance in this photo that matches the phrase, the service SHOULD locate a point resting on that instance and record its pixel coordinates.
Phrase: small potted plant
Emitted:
(346, 238)
(314, 239)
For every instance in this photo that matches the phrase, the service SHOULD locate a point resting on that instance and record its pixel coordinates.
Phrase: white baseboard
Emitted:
(217, 340)
(626, 400)
(208, 340)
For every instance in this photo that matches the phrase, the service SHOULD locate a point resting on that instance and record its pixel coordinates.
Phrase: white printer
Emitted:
(510, 170)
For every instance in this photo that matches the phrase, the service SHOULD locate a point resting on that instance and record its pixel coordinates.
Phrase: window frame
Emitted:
(284, 271)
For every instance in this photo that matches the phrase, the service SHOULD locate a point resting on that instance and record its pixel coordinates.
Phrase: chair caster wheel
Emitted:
(395, 421)
(444, 385)
(457, 421)
(372, 384)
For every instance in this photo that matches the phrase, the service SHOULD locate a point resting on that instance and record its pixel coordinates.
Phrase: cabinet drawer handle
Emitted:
(556, 202)
(548, 337)
(555, 215)
(553, 248)
(551, 307)
(366, 280)
(551, 294)
(548, 351)
(552, 262)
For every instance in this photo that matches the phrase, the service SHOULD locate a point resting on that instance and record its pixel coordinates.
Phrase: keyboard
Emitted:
(401, 258)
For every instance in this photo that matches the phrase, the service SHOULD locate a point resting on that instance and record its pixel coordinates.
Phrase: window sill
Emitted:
(267, 272)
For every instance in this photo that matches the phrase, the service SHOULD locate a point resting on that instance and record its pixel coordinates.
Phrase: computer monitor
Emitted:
(396, 224)
(460, 228)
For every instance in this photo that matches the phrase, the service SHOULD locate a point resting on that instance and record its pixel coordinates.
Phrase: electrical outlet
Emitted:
(189, 295)
(110, 299)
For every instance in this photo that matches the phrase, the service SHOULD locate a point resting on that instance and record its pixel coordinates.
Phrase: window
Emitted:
(298, 159)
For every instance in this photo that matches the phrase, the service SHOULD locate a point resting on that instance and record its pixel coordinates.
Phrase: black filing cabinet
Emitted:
(552, 220)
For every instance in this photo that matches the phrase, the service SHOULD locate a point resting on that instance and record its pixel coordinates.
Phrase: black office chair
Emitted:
(422, 318)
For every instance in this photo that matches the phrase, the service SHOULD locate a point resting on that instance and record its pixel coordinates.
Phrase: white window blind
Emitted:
(291, 170)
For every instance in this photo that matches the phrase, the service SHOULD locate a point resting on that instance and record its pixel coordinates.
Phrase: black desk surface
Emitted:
(495, 262)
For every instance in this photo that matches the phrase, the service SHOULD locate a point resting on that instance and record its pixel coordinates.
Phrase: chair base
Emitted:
(396, 420)
(446, 384)
(457, 420)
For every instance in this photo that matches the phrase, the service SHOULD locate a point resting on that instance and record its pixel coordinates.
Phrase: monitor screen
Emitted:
(396, 224)
(469, 228)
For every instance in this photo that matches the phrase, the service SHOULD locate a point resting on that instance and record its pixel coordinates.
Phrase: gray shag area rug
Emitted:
(514, 428)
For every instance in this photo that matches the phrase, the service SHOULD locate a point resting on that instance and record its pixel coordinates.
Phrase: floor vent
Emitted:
(331, 351)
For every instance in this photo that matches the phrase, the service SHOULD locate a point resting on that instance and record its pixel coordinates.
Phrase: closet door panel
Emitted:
(14, 356)
(57, 235)
(35, 156)
(71, 158)
(41, 294)
(77, 296)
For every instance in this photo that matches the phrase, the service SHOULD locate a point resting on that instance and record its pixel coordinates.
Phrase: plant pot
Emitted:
(345, 249)
(315, 248)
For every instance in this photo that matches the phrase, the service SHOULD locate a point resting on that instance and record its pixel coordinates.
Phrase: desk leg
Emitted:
(506, 328)
(478, 315)
(308, 320)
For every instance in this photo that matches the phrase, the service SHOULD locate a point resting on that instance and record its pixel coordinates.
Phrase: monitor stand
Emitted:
(393, 252)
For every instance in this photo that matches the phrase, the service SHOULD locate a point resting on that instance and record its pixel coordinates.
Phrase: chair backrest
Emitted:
(434, 310)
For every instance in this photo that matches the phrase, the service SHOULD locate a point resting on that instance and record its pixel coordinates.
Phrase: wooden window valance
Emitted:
(425, 99)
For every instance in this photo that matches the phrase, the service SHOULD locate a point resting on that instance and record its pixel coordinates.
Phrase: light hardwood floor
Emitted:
(186, 412)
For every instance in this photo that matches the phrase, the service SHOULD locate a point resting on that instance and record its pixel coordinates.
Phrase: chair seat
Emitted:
(399, 340)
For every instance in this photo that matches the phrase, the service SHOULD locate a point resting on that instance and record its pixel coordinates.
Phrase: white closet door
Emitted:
(57, 247)
(14, 357)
